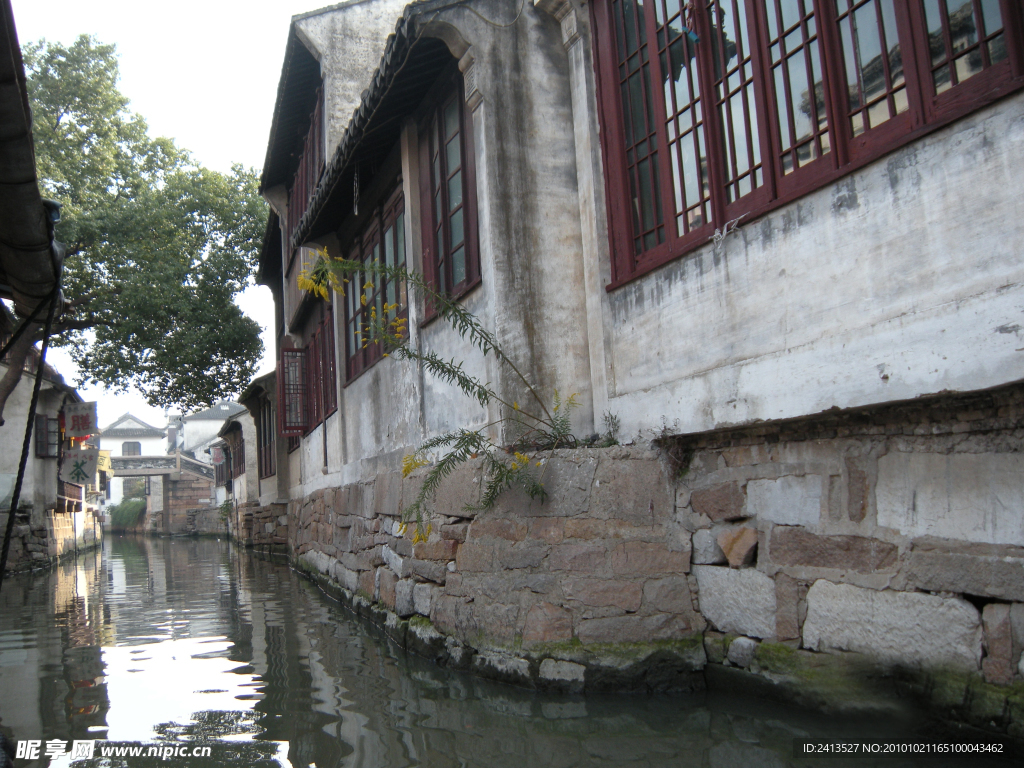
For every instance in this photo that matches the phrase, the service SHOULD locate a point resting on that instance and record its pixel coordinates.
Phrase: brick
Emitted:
(547, 623)
(790, 545)
(626, 595)
(997, 665)
(738, 545)
(645, 558)
(722, 502)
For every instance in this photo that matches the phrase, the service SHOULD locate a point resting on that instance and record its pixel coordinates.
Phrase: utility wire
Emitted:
(16, 497)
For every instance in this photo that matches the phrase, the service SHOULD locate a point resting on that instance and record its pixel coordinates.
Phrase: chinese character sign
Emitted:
(80, 420)
(79, 466)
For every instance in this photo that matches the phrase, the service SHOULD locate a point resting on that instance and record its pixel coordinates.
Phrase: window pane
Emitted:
(453, 154)
(962, 28)
(459, 266)
(457, 228)
(451, 118)
(936, 42)
(455, 191)
(992, 16)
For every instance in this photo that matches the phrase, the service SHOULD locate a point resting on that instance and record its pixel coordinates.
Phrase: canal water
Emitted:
(169, 644)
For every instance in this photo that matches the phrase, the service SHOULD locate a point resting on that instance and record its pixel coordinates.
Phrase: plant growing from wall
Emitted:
(537, 428)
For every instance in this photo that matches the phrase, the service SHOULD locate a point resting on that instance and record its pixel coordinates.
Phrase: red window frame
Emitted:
(448, 191)
(382, 239)
(307, 380)
(754, 151)
(292, 392)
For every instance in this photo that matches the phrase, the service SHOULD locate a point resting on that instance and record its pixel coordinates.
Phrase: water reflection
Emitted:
(180, 642)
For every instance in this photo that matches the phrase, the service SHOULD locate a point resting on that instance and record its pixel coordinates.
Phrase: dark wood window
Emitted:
(47, 437)
(266, 438)
(222, 471)
(380, 241)
(307, 379)
(238, 456)
(716, 109)
(451, 261)
(131, 449)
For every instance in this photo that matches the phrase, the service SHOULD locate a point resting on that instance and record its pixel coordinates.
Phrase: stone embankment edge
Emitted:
(839, 683)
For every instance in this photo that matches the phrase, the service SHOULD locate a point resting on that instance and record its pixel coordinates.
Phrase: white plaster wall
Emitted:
(348, 39)
(902, 279)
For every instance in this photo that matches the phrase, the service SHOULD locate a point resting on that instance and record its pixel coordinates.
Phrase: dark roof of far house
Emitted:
(131, 426)
(218, 412)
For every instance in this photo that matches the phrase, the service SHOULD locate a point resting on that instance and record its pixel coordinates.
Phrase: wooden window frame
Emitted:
(266, 438)
(368, 244)
(131, 442)
(47, 437)
(437, 261)
(925, 111)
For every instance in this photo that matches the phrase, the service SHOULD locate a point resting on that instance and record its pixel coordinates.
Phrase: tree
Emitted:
(158, 246)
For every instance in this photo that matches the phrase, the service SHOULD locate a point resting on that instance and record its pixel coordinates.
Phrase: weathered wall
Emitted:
(41, 539)
(181, 499)
(804, 540)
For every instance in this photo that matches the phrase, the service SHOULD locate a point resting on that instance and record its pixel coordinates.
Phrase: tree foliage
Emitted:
(158, 245)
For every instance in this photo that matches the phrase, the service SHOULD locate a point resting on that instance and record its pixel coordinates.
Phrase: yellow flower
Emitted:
(362, 299)
(412, 461)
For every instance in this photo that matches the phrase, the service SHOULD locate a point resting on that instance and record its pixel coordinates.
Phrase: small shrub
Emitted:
(126, 514)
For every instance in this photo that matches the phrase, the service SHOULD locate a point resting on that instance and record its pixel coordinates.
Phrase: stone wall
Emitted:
(891, 536)
(269, 528)
(180, 498)
(39, 540)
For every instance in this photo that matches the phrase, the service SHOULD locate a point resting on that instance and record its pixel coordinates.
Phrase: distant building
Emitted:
(194, 434)
(130, 436)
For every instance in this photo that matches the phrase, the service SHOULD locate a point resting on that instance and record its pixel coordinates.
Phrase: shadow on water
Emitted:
(178, 643)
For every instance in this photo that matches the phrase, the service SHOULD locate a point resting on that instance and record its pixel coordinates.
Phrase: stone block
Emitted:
(405, 604)
(632, 629)
(997, 665)
(633, 490)
(796, 546)
(857, 492)
(501, 528)
(960, 496)
(722, 502)
(526, 555)
(739, 545)
(547, 623)
(368, 584)
(455, 531)
(550, 530)
(705, 548)
(429, 570)
(1017, 633)
(459, 490)
(440, 549)
(386, 582)
(561, 671)
(422, 597)
(646, 558)
(626, 595)
(909, 628)
(591, 528)
(387, 494)
(568, 480)
(582, 558)
(965, 569)
(476, 557)
(788, 594)
(740, 601)
(396, 563)
(741, 651)
(355, 562)
(788, 500)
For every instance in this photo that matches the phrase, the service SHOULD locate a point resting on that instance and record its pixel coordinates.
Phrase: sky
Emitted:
(203, 72)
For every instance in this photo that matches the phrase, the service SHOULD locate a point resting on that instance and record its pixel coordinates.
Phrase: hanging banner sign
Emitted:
(79, 466)
(103, 463)
(79, 420)
(218, 455)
